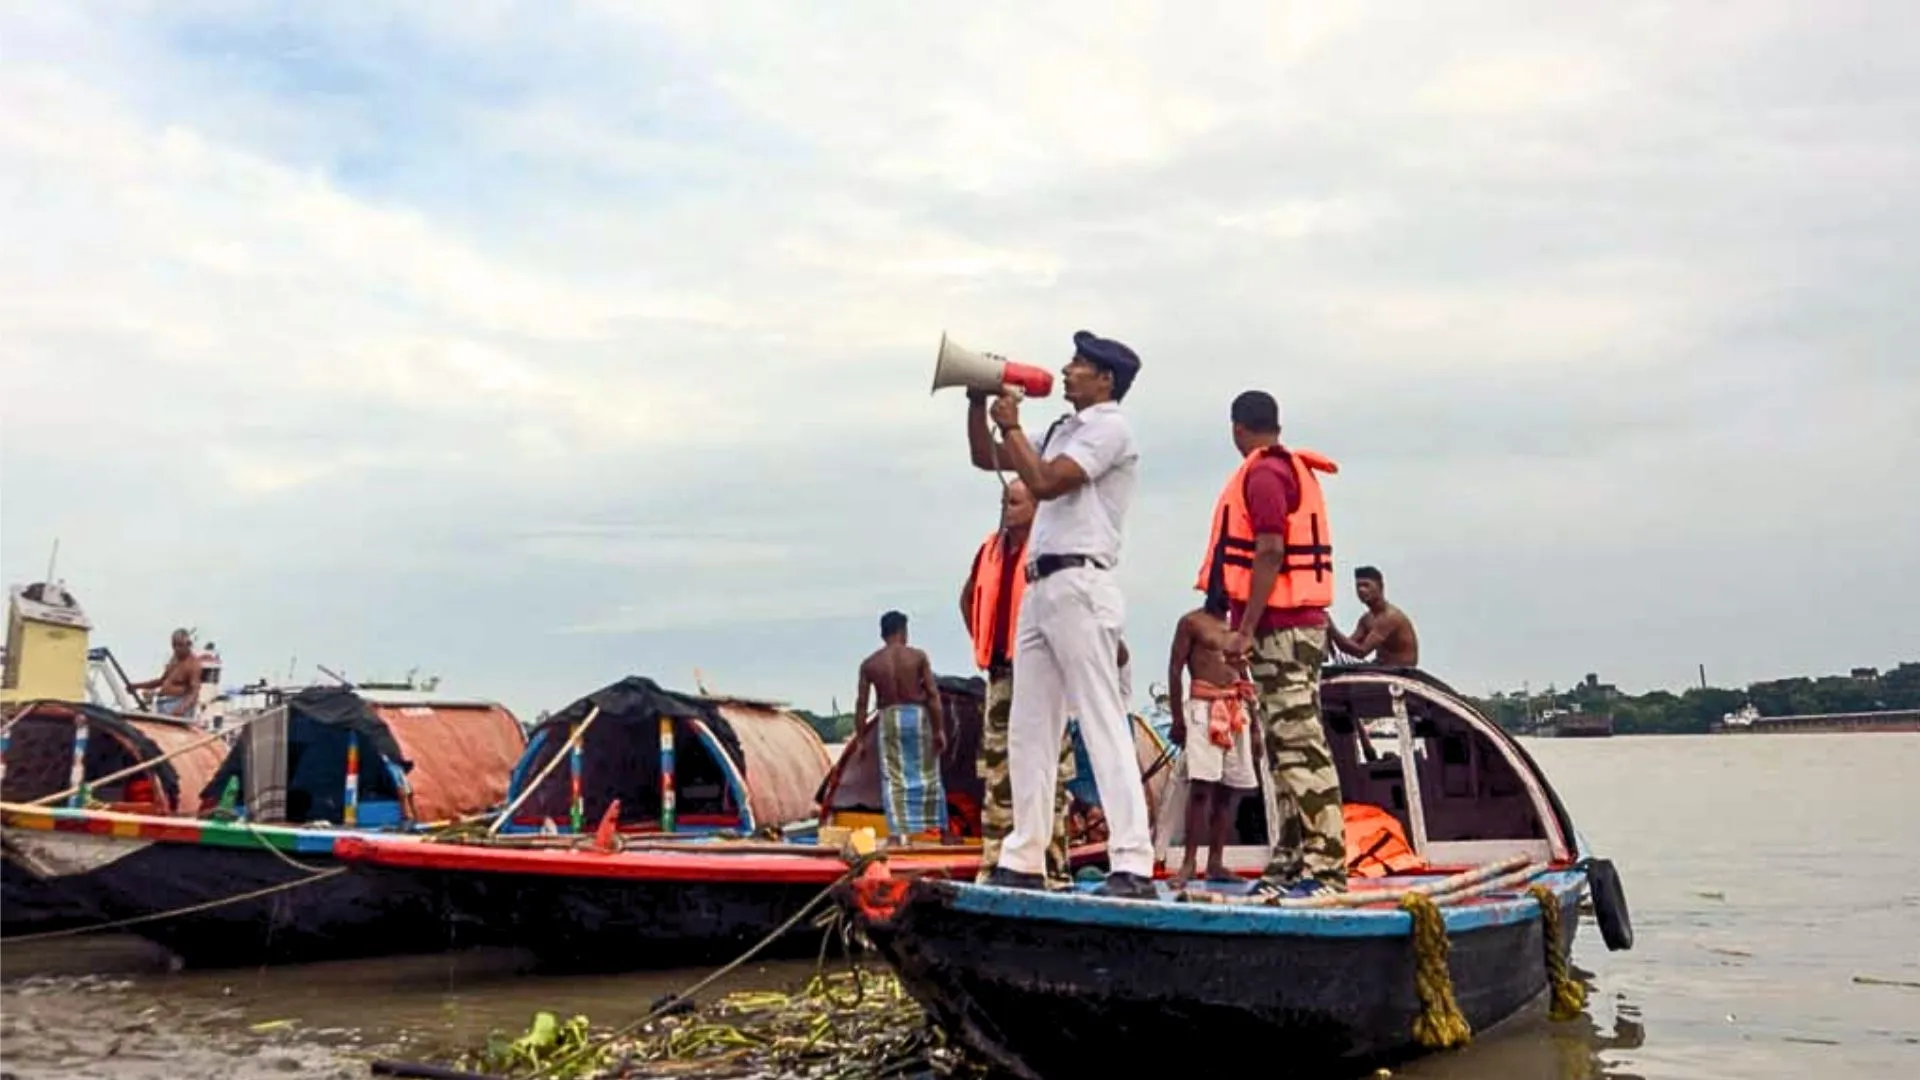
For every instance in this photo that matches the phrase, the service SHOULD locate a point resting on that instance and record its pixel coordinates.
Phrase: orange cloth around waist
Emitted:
(1226, 709)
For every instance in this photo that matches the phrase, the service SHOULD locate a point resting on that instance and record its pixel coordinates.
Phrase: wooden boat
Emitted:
(740, 854)
(52, 747)
(262, 886)
(1069, 985)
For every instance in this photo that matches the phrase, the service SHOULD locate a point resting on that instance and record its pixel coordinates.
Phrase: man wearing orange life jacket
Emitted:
(1271, 554)
(990, 607)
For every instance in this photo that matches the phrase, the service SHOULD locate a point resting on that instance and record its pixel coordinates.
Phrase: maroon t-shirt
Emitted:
(1273, 492)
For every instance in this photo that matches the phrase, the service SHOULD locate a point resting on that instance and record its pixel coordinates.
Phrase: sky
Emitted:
(534, 345)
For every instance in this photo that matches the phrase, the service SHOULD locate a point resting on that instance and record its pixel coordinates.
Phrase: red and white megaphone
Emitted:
(958, 366)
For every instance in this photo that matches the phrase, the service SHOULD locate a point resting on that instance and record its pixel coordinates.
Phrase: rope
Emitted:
(672, 1002)
(1569, 997)
(1440, 1024)
(188, 910)
(313, 874)
(560, 755)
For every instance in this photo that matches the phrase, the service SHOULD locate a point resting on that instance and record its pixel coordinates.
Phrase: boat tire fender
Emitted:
(1610, 905)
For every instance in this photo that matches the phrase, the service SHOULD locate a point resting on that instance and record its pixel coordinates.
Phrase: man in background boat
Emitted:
(1210, 725)
(913, 731)
(1270, 555)
(1384, 629)
(177, 691)
(990, 606)
(1067, 642)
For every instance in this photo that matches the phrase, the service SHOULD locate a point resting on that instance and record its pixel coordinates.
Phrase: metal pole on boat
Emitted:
(576, 806)
(351, 814)
(667, 810)
(77, 776)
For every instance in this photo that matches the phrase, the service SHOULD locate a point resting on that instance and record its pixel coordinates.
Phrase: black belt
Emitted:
(1049, 564)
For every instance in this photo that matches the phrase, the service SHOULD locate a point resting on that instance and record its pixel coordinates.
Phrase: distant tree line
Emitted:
(832, 728)
(1662, 712)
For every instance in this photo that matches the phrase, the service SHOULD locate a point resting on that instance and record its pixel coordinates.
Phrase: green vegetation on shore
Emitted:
(1662, 712)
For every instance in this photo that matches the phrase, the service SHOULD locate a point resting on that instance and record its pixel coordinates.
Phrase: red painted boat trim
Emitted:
(693, 866)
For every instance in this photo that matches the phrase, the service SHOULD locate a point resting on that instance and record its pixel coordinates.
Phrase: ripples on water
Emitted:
(1765, 873)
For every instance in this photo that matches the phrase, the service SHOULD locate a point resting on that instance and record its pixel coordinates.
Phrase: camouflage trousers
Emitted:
(1285, 665)
(996, 810)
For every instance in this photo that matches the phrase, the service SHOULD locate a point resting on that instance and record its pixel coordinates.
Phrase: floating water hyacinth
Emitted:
(854, 1025)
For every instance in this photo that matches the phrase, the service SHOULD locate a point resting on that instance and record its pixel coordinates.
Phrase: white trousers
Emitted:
(1064, 663)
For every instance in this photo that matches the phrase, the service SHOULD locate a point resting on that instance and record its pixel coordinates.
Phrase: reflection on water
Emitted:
(1764, 872)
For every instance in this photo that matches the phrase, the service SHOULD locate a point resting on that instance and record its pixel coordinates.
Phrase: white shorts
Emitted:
(1207, 762)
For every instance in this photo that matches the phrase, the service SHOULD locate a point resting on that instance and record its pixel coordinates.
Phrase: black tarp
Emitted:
(319, 719)
(102, 758)
(620, 754)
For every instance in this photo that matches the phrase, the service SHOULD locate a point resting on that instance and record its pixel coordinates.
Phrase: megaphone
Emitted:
(960, 366)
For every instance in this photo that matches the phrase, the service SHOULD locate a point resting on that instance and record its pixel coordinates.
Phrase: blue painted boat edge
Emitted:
(1248, 920)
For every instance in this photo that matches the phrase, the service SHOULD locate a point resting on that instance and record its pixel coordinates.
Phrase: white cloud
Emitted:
(618, 318)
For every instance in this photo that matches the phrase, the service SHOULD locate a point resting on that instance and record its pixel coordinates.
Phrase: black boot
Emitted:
(1128, 887)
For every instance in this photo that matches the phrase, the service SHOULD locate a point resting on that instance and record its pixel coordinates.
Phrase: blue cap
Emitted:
(1111, 355)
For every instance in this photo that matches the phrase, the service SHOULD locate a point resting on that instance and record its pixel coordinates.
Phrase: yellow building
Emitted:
(47, 642)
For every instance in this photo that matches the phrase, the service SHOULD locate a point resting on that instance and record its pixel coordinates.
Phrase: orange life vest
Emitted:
(988, 603)
(1376, 844)
(1306, 571)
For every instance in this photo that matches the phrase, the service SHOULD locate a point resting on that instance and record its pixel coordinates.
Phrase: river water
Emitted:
(1773, 882)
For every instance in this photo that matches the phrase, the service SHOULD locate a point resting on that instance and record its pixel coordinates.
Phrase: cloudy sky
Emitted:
(535, 344)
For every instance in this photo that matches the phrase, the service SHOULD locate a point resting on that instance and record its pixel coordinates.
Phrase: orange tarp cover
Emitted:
(785, 761)
(195, 768)
(461, 754)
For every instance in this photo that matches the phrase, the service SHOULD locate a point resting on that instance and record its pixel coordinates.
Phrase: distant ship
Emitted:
(1568, 724)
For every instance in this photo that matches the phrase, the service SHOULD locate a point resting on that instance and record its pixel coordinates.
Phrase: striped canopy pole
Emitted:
(667, 811)
(77, 776)
(351, 815)
(576, 804)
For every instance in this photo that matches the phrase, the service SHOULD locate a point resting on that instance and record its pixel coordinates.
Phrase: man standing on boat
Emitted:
(990, 607)
(1270, 555)
(1384, 628)
(913, 733)
(1210, 725)
(1067, 641)
(177, 691)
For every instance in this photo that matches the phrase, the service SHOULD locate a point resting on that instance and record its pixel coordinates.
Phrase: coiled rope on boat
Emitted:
(1440, 1024)
(1569, 997)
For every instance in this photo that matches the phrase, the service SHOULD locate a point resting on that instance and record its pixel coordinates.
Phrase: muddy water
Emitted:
(1772, 879)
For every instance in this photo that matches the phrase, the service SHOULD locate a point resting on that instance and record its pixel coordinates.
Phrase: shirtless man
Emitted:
(1384, 628)
(899, 675)
(177, 690)
(1214, 712)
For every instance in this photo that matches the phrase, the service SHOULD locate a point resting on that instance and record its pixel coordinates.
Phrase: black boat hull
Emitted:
(586, 924)
(1047, 1000)
(300, 914)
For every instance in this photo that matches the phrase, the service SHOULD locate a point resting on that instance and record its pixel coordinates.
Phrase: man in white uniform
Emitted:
(1065, 657)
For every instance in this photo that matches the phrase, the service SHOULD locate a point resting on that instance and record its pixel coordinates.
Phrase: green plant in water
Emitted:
(546, 1041)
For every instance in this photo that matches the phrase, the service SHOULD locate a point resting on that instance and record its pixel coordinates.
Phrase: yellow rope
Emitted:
(1440, 1024)
(1569, 997)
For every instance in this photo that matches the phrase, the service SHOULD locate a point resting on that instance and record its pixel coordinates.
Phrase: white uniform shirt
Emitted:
(1090, 519)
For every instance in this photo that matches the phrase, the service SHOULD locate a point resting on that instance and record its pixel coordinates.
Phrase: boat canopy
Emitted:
(415, 761)
(43, 735)
(728, 763)
(1474, 794)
